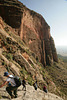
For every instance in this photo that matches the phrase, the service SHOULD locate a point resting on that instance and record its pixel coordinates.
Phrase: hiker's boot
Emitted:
(15, 96)
(12, 97)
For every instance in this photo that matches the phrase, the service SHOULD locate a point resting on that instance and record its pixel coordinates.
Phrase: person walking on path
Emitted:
(45, 89)
(35, 85)
(24, 84)
(12, 87)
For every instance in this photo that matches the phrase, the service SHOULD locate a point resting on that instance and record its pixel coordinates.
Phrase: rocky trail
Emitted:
(29, 94)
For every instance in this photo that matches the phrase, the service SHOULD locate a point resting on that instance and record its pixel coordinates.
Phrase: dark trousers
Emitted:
(10, 89)
(24, 87)
(45, 90)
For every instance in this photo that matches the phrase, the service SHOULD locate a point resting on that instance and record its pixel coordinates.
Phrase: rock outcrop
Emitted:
(32, 29)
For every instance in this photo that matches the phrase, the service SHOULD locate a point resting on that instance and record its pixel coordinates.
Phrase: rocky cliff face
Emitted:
(25, 41)
(32, 29)
(18, 59)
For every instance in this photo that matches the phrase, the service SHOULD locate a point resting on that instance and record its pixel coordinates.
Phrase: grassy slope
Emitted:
(64, 58)
(58, 72)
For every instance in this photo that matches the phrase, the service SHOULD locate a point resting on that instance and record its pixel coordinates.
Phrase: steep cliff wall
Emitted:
(32, 29)
(18, 59)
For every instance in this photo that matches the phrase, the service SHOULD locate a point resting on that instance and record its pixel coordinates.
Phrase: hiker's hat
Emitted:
(6, 73)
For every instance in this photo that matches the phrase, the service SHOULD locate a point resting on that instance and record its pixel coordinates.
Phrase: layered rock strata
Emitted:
(32, 29)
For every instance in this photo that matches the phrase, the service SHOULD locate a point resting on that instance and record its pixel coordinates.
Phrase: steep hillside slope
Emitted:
(26, 47)
(18, 59)
(32, 29)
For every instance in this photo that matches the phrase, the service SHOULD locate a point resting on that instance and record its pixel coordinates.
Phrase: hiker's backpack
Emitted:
(17, 81)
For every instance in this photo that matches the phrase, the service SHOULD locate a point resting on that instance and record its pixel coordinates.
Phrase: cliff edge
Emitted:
(32, 29)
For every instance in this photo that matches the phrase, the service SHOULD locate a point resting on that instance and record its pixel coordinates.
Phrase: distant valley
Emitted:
(62, 50)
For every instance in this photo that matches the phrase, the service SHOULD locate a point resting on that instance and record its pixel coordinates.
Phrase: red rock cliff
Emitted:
(32, 29)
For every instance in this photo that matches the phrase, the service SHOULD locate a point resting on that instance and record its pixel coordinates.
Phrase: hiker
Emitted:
(24, 84)
(45, 89)
(35, 85)
(11, 85)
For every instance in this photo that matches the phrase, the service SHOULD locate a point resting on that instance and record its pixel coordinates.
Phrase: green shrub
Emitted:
(29, 79)
(3, 63)
(0, 97)
(8, 68)
(8, 55)
(23, 72)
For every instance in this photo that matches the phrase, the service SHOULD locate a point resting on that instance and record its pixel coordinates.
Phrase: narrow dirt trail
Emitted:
(29, 94)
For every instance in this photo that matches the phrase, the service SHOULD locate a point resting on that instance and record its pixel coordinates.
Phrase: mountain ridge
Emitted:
(27, 48)
(32, 29)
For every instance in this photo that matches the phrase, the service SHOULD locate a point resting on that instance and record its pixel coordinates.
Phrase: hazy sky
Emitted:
(55, 14)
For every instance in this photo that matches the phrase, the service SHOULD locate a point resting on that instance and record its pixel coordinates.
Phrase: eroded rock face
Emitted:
(32, 29)
(11, 12)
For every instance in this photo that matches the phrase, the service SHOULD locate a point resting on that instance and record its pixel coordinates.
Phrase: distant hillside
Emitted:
(64, 58)
(62, 50)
